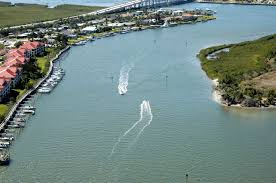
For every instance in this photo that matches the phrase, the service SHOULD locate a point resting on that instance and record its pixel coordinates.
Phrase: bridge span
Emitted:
(135, 4)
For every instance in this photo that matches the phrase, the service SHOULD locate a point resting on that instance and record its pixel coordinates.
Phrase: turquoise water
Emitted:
(76, 127)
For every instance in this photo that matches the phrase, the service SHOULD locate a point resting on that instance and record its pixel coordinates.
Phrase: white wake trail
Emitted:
(138, 127)
(123, 79)
(148, 109)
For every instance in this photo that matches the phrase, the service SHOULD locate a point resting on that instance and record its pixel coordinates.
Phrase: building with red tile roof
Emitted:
(5, 88)
(12, 73)
(16, 61)
(35, 47)
(11, 70)
(18, 53)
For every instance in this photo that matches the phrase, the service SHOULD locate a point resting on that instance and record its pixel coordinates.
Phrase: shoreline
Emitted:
(217, 97)
(34, 88)
(86, 39)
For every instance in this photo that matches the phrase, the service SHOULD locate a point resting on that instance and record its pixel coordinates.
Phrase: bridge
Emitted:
(135, 4)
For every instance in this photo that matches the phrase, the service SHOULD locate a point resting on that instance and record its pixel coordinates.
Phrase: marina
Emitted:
(25, 109)
(52, 81)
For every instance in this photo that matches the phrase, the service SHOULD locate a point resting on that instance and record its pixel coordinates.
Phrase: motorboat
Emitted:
(19, 120)
(15, 126)
(44, 90)
(28, 111)
(5, 143)
(7, 138)
(28, 107)
(4, 146)
(80, 43)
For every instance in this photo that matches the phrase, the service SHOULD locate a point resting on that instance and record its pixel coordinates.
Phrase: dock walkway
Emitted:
(33, 90)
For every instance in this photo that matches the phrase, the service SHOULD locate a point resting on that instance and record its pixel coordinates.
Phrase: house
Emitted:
(89, 29)
(119, 24)
(16, 61)
(177, 12)
(34, 47)
(69, 33)
(5, 88)
(12, 73)
(18, 53)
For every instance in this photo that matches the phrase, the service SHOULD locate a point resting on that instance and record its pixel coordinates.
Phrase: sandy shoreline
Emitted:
(217, 97)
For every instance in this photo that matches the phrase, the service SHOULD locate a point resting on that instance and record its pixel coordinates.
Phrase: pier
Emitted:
(26, 97)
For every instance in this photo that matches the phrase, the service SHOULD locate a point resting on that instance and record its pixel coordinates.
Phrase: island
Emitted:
(244, 74)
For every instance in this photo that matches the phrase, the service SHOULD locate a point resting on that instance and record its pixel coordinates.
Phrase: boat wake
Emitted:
(123, 80)
(133, 133)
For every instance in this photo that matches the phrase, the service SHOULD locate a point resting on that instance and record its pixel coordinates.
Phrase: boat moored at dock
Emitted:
(28, 111)
(52, 81)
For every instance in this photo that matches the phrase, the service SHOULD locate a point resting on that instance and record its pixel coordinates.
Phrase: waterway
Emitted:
(166, 124)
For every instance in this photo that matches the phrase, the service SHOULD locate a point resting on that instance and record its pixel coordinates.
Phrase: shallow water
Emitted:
(75, 128)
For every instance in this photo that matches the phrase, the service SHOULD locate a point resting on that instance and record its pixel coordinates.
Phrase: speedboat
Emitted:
(7, 138)
(28, 107)
(29, 111)
(44, 90)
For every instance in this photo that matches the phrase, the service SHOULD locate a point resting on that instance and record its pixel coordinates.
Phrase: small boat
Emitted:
(7, 134)
(5, 143)
(15, 126)
(8, 130)
(4, 146)
(19, 120)
(91, 39)
(20, 115)
(28, 107)
(80, 43)
(166, 24)
(44, 90)
(28, 111)
(7, 138)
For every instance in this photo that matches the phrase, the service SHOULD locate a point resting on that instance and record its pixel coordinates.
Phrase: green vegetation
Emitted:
(43, 65)
(43, 62)
(20, 93)
(4, 109)
(32, 72)
(25, 13)
(237, 69)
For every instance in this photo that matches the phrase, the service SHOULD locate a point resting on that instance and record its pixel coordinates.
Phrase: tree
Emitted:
(270, 97)
(18, 44)
(62, 39)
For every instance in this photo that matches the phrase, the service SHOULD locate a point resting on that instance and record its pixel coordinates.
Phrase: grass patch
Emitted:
(243, 59)
(20, 93)
(43, 64)
(25, 13)
(245, 73)
(4, 109)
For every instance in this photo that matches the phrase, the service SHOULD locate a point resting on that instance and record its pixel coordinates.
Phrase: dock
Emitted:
(16, 117)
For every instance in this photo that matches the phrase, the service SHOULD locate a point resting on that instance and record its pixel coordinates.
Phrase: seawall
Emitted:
(33, 90)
